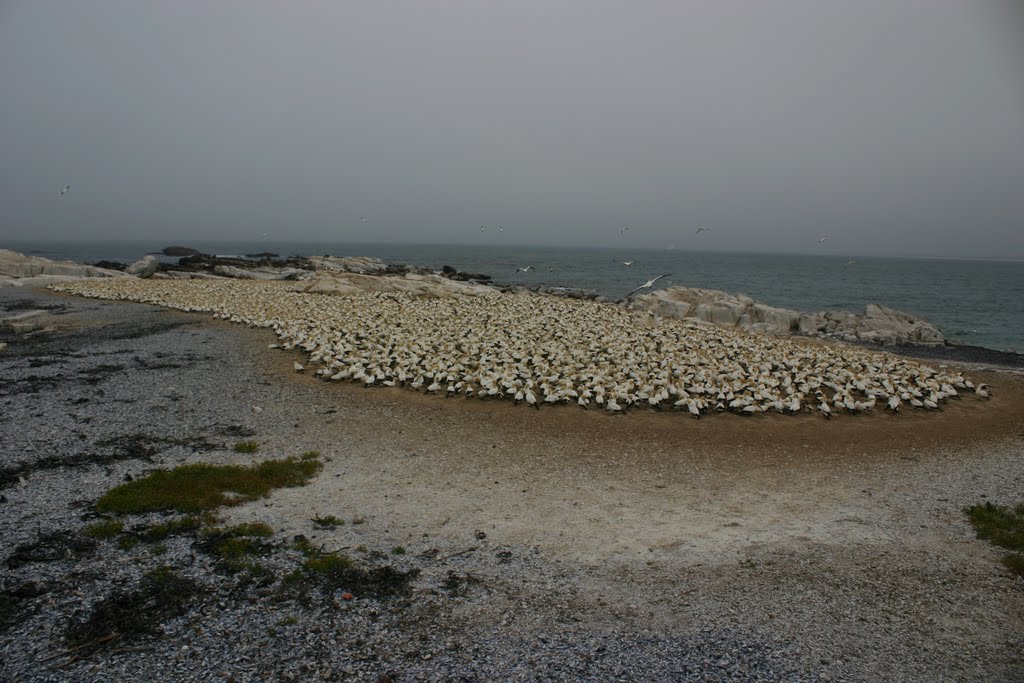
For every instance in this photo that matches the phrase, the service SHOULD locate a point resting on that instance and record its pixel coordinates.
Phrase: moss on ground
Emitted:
(1003, 526)
(103, 530)
(198, 487)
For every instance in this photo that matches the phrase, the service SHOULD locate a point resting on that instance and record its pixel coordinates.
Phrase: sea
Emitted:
(973, 302)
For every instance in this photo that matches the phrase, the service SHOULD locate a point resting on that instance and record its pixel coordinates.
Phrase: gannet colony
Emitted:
(551, 350)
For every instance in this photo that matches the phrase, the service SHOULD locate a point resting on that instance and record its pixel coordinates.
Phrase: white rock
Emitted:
(421, 286)
(16, 265)
(349, 264)
(23, 323)
(261, 273)
(878, 324)
(144, 267)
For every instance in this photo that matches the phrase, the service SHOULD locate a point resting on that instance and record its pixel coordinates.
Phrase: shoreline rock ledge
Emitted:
(18, 269)
(876, 325)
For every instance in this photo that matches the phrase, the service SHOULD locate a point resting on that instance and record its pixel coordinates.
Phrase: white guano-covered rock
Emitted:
(349, 264)
(17, 266)
(144, 267)
(423, 286)
(262, 273)
(877, 324)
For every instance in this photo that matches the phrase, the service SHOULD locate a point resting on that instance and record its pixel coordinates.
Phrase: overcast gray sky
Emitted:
(894, 126)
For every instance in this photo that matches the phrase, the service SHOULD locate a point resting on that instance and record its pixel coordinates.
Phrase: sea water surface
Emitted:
(980, 303)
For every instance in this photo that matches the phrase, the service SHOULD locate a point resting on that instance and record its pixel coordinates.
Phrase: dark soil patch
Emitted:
(32, 384)
(458, 585)
(161, 595)
(334, 571)
(15, 599)
(122, 332)
(233, 430)
(56, 545)
(99, 373)
(117, 449)
(31, 305)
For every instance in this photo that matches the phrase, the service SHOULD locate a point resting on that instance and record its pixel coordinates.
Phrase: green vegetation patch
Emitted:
(327, 565)
(178, 526)
(246, 447)
(336, 571)
(1003, 526)
(236, 546)
(327, 521)
(198, 487)
(102, 530)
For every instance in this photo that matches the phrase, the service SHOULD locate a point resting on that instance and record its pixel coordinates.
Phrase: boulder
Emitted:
(262, 273)
(189, 275)
(144, 267)
(419, 285)
(27, 321)
(352, 264)
(14, 265)
(876, 325)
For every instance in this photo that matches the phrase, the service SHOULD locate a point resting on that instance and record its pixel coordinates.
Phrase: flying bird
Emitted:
(849, 263)
(701, 229)
(363, 219)
(524, 270)
(670, 247)
(501, 229)
(481, 228)
(64, 190)
(623, 230)
(646, 285)
(625, 263)
(822, 239)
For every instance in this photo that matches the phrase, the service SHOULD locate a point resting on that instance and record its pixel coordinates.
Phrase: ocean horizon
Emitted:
(974, 302)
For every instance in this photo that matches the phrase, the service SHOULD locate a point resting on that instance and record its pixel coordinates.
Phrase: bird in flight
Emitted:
(670, 247)
(623, 230)
(822, 239)
(849, 263)
(501, 229)
(701, 229)
(363, 219)
(64, 190)
(625, 263)
(646, 285)
(481, 228)
(524, 270)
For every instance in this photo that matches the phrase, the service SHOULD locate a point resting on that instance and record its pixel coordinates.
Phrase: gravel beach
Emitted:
(521, 545)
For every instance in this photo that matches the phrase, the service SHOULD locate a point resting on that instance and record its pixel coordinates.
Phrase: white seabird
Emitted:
(702, 229)
(646, 285)
(64, 190)
(524, 270)
(822, 239)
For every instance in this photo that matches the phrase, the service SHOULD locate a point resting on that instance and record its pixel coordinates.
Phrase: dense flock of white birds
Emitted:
(549, 350)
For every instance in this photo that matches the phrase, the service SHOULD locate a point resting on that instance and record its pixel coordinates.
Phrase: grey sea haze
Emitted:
(980, 303)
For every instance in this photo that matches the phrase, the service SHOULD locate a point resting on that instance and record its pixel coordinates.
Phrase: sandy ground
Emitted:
(843, 538)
